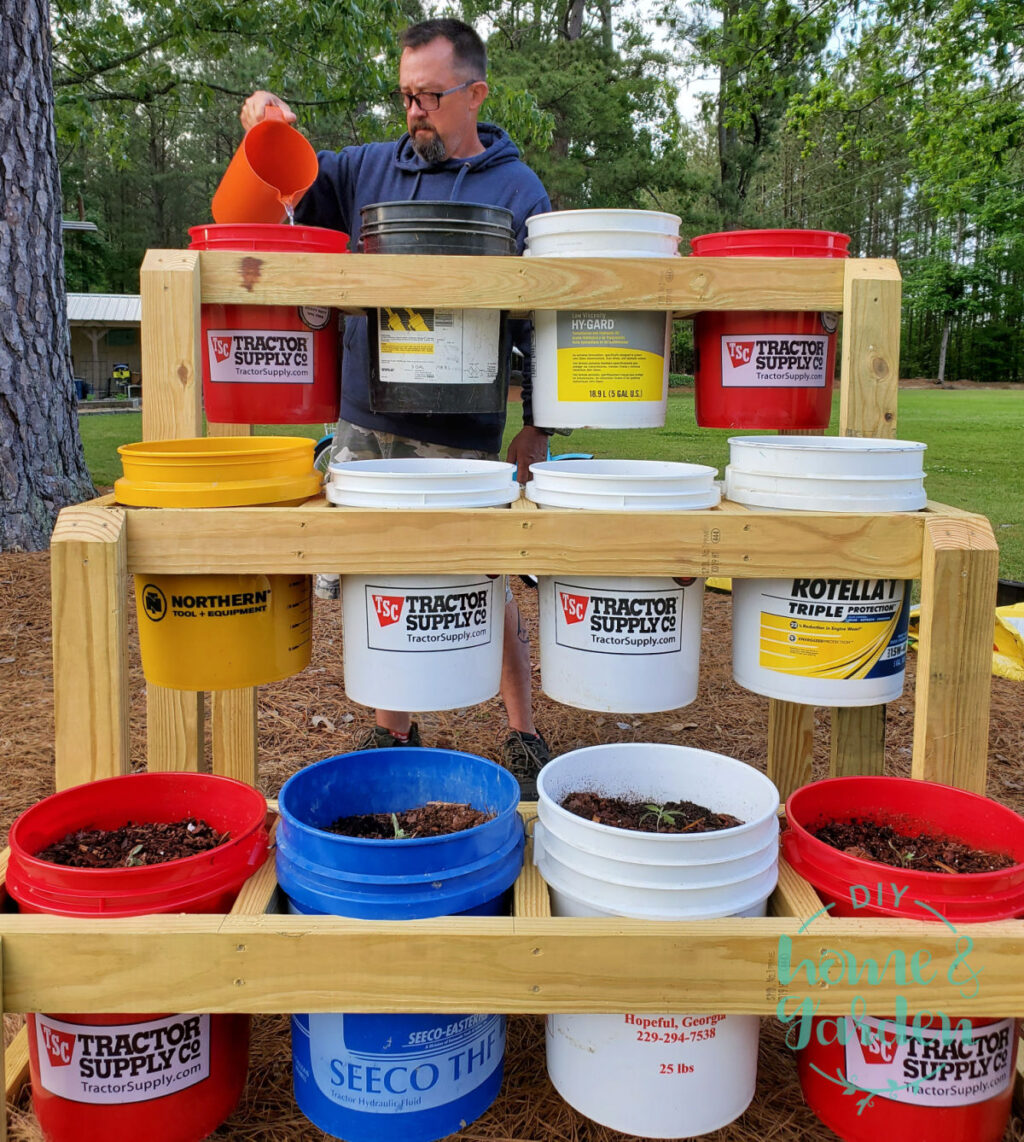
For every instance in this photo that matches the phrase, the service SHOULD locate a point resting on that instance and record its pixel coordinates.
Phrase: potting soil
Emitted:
(434, 819)
(132, 846)
(924, 852)
(644, 817)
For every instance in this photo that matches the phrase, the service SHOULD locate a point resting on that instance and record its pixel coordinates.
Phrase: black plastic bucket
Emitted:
(438, 360)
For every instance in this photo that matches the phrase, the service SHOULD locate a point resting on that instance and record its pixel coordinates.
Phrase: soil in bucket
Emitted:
(766, 369)
(601, 369)
(614, 1068)
(162, 1077)
(384, 1077)
(425, 360)
(271, 364)
(922, 1073)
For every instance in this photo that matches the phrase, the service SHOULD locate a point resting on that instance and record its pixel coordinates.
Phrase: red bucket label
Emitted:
(774, 361)
(127, 1062)
(260, 356)
(929, 1068)
(417, 619)
(618, 622)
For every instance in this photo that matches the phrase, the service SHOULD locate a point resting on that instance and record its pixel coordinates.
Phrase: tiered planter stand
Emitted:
(249, 961)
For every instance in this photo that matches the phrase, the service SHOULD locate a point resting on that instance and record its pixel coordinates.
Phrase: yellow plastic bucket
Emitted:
(220, 632)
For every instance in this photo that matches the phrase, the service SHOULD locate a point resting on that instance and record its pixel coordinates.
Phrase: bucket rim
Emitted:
(599, 212)
(854, 444)
(214, 447)
(457, 204)
(659, 839)
(584, 470)
(405, 843)
(97, 876)
(427, 467)
(913, 876)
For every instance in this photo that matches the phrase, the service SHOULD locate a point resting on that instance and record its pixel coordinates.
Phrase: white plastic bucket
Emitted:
(599, 368)
(422, 642)
(657, 1076)
(821, 642)
(818, 641)
(826, 473)
(629, 644)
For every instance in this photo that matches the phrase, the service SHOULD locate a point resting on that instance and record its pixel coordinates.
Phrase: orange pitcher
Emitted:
(271, 170)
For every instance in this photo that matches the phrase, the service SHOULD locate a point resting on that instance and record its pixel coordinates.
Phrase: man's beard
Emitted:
(428, 145)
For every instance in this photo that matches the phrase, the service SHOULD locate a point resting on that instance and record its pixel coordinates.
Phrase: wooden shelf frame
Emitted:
(530, 961)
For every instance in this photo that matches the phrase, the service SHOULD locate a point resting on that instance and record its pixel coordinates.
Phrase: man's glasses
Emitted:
(428, 100)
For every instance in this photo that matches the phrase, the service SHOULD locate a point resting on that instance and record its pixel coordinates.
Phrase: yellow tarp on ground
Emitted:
(1007, 638)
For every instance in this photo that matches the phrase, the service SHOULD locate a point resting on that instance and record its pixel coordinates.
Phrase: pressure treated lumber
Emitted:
(175, 721)
(959, 575)
(318, 537)
(171, 345)
(355, 281)
(467, 963)
(857, 743)
(530, 895)
(790, 745)
(869, 370)
(88, 569)
(234, 728)
(15, 1066)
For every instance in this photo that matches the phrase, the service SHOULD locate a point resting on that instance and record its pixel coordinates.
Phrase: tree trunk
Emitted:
(943, 346)
(42, 468)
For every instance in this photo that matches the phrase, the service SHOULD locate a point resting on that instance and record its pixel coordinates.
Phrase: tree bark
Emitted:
(42, 468)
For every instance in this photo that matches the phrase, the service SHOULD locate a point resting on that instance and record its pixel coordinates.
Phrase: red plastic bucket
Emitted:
(162, 1077)
(766, 369)
(271, 364)
(972, 1106)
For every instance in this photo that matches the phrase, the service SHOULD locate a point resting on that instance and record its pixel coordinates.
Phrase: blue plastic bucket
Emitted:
(414, 1078)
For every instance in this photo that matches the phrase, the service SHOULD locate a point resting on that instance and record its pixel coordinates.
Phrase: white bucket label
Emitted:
(835, 628)
(929, 1068)
(128, 1062)
(260, 356)
(602, 621)
(395, 1064)
(438, 346)
(414, 619)
(774, 361)
(610, 356)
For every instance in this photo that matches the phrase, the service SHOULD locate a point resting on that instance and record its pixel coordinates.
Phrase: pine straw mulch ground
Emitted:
(308, 717)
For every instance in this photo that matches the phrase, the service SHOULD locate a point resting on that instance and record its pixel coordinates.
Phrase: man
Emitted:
(446, 154)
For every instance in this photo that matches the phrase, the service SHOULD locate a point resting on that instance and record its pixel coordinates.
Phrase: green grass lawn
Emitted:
(973, 460)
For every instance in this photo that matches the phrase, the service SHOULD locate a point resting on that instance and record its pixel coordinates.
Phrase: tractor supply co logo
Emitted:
(128, 1062)
(260, 356)
(421, 619)
(774, 361)
(921, 1056)
(154, 602)
(618, 622)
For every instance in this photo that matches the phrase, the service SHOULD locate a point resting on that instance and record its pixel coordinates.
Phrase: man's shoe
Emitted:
(377, 737)
(524, 755)
(327, 586)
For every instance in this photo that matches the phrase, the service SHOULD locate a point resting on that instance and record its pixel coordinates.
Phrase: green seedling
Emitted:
(400, 833)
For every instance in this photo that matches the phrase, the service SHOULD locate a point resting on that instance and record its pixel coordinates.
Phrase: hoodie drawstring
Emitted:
(416, 185)
(463, 171)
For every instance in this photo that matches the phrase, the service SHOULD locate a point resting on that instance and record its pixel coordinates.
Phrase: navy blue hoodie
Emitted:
(388, 172)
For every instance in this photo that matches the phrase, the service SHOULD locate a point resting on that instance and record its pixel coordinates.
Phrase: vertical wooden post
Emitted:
(869, 376)
(89, 586)
(173, 409)
(959, 575)
(869, 387)
(175, 730)
(171, 345)
(858, 741)
(234, 726)
(790, 745)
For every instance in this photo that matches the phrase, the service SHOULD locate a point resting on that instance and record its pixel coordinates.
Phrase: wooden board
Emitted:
(682, 285)
(291, 963)
(315, 537)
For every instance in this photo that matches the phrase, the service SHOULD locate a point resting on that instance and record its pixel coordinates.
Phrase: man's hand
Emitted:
(528, 446)
(255, 107)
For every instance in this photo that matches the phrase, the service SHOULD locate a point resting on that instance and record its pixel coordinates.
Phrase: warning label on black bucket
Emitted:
(260, 356)
(127, 1062)
(774, 360)
(438, 346)
(602, 621)
(417, 619)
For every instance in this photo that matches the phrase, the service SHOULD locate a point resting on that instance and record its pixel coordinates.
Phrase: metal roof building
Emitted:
(105, 338)
(104, 308)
